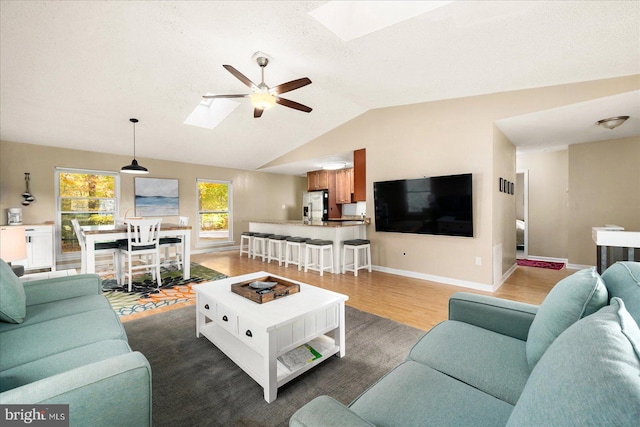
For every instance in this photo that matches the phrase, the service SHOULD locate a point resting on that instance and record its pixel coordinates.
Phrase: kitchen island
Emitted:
(336, 231)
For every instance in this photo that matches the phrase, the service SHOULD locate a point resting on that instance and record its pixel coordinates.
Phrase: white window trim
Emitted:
(58, 213)
(207, 243)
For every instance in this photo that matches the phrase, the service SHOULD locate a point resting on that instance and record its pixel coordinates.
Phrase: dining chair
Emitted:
(176, 242)
(142, 242)
(112, 248)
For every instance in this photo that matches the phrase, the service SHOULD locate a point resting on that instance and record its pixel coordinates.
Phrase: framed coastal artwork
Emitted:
(156, 197)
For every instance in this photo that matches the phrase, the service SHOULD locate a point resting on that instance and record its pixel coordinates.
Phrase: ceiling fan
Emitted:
(264, 97)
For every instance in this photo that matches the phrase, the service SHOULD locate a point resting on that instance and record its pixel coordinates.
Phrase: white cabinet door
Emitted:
(39, 248)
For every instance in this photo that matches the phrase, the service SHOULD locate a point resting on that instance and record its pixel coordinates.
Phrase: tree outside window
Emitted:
(214, 211)
(89, 196)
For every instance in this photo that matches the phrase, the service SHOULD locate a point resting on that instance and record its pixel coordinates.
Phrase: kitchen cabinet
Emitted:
(344, 185)
(335, 208)
(40, 250)
(360, 175)
(318, 180)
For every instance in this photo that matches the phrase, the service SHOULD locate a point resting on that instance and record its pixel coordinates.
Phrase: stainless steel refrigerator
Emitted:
(315, 206)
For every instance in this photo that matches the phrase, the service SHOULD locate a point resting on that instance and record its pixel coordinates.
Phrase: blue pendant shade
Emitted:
(134, 167)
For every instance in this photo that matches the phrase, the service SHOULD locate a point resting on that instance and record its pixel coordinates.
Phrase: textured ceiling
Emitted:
(73, 73)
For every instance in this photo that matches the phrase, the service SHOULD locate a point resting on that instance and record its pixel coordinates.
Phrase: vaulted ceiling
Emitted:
(73, 73)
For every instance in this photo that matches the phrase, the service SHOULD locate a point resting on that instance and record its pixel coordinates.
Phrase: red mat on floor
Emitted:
(541, 264)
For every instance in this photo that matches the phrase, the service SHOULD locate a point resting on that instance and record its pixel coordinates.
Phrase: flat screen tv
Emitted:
(438, 205)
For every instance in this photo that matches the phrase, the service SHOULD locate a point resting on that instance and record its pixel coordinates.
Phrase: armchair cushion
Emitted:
(571, 299)
(458, 349)
(590, 375)
(13, 302)
(623, 280)
(413, 394)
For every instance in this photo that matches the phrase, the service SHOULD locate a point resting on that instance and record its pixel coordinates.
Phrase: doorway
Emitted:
(522, 214)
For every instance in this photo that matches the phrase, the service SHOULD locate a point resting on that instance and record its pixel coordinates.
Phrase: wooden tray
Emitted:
(282, 289)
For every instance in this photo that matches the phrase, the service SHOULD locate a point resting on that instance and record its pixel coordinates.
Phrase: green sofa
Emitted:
(62, 343)
(572, 361)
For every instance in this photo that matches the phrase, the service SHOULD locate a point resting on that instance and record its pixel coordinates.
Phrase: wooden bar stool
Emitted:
(292, 243)
(248, 236)
(315, 255)
(357, 245)
(259, 246)
(276, 248)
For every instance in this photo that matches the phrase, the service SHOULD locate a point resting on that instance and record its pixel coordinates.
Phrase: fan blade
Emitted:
(224, 96)
(244, 79)
(289, 86)
(293, 104)
(257, 112)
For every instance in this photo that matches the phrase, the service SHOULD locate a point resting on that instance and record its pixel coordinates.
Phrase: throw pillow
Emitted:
(622, 279)
(13, 308)
(590, 375)
(571, 299)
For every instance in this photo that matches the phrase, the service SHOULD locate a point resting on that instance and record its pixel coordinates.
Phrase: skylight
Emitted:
(210, 112)
(353, 19)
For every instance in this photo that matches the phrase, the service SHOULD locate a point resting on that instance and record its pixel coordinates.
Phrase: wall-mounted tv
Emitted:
(438, 205)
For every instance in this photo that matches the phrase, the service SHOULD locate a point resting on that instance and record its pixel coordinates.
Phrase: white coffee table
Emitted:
(254, 335)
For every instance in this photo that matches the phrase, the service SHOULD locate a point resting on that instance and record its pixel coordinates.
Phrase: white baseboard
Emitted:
(433, 278)
(579, 266)
(505, 276)
(210, 249)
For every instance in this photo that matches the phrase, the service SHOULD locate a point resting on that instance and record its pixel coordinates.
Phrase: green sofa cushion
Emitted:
(571, 299)
(12, 298)
(62, 308)
(61, 362)
(458, 349)
(590, 375)
(623, 280)
(44, 339)
(413, 394)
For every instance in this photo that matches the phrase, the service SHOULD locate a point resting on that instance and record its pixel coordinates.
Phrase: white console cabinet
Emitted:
(40, 249)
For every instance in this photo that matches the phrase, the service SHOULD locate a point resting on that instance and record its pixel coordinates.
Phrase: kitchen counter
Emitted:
(342, 222)
(336, 231)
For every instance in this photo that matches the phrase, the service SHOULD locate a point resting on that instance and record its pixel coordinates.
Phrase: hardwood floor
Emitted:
(418, 303)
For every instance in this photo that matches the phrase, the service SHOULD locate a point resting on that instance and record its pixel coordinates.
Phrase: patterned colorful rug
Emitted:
(541, 264)
(145, 295)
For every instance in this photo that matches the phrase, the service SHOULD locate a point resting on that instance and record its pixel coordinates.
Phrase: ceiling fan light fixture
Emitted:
(134, 167)
(612, 122)
(262, 100)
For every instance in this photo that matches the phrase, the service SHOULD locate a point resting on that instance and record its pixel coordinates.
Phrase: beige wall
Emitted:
(256, 195)
(445, 137)
(604, 188)
(548, 202)
(504, 204)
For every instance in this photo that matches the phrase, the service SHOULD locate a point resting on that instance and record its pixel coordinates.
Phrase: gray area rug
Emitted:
(195, 384)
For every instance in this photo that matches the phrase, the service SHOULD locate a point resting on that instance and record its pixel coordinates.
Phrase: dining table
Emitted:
(102, 233)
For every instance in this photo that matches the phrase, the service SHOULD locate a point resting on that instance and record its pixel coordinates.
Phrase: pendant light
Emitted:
(134, 167)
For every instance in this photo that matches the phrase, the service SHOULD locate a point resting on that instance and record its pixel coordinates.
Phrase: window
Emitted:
(214, 212)
(90, 196)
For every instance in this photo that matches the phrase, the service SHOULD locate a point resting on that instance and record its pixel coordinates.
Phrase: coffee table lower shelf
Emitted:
(254, 363)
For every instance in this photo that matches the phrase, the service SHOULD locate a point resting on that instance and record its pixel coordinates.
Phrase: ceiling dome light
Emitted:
(134, 167)
(612, 122)
(334, 166)
(262, 100)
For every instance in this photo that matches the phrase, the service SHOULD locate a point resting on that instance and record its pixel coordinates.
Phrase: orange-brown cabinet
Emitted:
(318, 180)
(344, 185)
